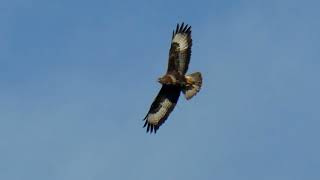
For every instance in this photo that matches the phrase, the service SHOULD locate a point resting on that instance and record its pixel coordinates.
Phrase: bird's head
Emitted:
(161, 80)
(166, 79)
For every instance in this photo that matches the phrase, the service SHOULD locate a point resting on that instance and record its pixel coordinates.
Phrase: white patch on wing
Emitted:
(182, 40)
(156, 117)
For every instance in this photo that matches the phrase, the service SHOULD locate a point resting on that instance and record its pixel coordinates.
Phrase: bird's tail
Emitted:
(194, 83)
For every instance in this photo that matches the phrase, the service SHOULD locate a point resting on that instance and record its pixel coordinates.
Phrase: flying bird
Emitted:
(175, 80)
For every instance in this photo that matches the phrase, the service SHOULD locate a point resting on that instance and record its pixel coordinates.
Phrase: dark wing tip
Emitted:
(145, 124)
(155, 129)
(182, 29)
(177, 28)
(150, 127)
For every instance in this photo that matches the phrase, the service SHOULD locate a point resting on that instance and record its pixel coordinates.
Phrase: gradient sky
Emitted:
(77, 77)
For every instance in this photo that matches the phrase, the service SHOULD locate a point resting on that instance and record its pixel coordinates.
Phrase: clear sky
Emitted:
(77, 77)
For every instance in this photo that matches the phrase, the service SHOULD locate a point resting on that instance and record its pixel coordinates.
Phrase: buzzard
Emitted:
(175, 80)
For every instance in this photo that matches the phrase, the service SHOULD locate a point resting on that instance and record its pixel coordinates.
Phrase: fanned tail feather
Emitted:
(194, 86)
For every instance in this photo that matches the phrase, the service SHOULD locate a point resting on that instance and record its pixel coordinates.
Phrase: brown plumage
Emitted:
(175, 80)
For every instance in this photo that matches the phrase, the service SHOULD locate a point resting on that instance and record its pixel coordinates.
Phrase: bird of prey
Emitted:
(175, 80)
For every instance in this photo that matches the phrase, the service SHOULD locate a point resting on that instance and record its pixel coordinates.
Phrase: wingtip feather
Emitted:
(177, 29)
(185, 28)
(148, 127)
(181, 27)
(145, 124)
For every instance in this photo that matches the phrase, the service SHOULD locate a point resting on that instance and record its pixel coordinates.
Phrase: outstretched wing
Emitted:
(180, 50)
(161, 107)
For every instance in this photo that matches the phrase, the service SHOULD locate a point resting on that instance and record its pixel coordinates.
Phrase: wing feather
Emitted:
(161, 107)
(180, 50)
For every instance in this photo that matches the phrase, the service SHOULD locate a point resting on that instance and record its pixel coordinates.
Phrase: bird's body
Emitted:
(172, 79)
(175, 80)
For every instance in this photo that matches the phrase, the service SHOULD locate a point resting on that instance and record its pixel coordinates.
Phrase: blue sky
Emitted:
(77, 77)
